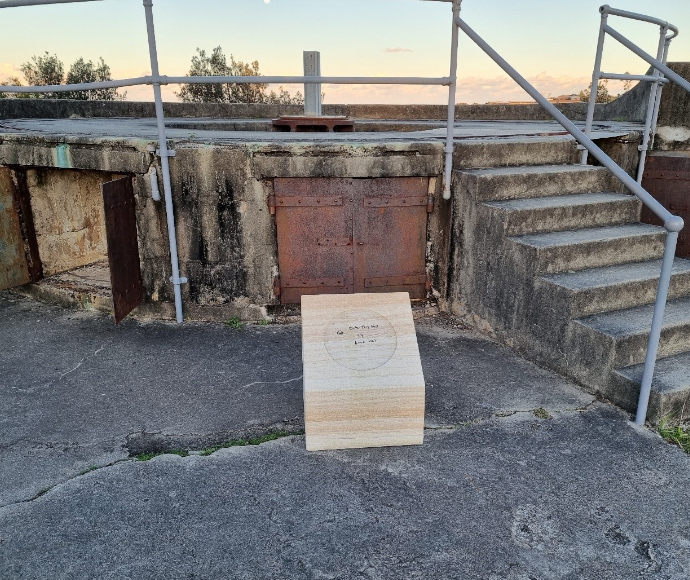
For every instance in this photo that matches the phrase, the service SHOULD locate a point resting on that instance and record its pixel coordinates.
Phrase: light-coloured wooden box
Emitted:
(363, 380)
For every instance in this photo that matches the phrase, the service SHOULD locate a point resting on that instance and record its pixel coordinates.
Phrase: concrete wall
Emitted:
(63, 109)
(229, 248)
(673, 133)
(67, 208)
(226, 235)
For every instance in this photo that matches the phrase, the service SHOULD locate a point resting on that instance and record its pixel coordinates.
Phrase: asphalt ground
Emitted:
(521, 475)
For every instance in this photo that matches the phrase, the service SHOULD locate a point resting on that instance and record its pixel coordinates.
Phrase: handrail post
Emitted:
(164, 155)
(657, 105)
(651, 104)
(452, 90)
(657, 322)
(594, 89)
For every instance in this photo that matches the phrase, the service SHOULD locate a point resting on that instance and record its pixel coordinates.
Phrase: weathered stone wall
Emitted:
(226, 235)
(68, 217)
(673, 132)
(64, 109)
(227, 239)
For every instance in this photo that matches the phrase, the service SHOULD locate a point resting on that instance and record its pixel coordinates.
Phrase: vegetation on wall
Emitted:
(603, 95)
(48, 69)
(216, 63)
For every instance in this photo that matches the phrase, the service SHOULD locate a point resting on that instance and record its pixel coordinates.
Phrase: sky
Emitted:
(551, 42)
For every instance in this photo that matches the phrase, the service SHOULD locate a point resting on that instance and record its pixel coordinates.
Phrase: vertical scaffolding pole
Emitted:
(594, 89)
(452, 89)
(165, 165)
(649, 120)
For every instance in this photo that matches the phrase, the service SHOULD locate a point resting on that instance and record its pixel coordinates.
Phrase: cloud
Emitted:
(8, 70)
(397, 49)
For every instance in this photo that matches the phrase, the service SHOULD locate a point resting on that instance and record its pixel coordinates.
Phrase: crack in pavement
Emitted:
(51, 382)
(292, 380)
(195, 452)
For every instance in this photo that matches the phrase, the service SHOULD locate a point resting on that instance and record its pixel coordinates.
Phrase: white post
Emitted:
(165, 165)
(452, 87)
(594, 87)
(312, 91)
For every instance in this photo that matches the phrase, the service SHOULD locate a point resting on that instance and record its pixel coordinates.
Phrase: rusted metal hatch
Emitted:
(123, 249)
(19, 259)
(351, 235)
(667, 178)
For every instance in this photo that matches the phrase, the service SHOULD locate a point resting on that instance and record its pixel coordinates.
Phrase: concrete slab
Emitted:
(582, 495)
(214, 131)
(79, 391)
(495, 492)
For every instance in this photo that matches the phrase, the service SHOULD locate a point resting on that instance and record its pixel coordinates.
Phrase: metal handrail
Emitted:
(672, 223)
(220, 79)
(642, 17)
(661, 74)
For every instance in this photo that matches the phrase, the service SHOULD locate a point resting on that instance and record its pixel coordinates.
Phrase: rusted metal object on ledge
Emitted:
(303, 124)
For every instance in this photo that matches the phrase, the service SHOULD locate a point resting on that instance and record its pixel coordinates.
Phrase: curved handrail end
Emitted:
(674, 223)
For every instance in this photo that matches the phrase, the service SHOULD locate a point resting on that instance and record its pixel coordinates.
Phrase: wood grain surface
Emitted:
(363, 380)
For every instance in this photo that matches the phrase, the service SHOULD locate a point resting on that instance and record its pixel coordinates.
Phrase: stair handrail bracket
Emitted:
(672, 223)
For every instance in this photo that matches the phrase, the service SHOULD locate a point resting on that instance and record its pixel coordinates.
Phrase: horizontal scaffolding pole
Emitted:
(628, 77)
(165, 80)
(274, 80)
(15, 3)
(77, 86)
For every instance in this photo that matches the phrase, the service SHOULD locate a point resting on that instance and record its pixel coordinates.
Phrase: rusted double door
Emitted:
(339, 236)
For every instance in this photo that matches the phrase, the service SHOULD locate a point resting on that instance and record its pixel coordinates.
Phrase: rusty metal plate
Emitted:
(14, 270)
(394, 281)
(330, 282)
(307, 201)
(374, 242)
(390, 201)
(123, 248)
(667, 178)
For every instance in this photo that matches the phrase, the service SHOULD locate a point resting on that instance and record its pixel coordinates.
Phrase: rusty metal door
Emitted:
(123, 248)
(667, 178)
(391, 236)
(314, 225)
(338, 236)
(19, 260)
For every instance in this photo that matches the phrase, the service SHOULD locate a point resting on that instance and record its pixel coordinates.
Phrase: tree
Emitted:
(83, 71)
(603, 95)
(216, 64)
(48, 69)
(44, 70)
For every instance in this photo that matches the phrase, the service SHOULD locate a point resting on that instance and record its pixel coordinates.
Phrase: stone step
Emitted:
(627, 331)
(500, 183)
(483, 153)
(592, 247)
(597, 290)
(670, 394)
(566, 212)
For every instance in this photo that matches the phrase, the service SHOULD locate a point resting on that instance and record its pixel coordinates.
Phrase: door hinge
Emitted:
(272, 203)
(430, 204)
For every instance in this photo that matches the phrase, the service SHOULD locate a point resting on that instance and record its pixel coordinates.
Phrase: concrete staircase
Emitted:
(553, 258)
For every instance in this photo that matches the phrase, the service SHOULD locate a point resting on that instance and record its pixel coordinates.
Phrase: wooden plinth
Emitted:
(363, 380)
